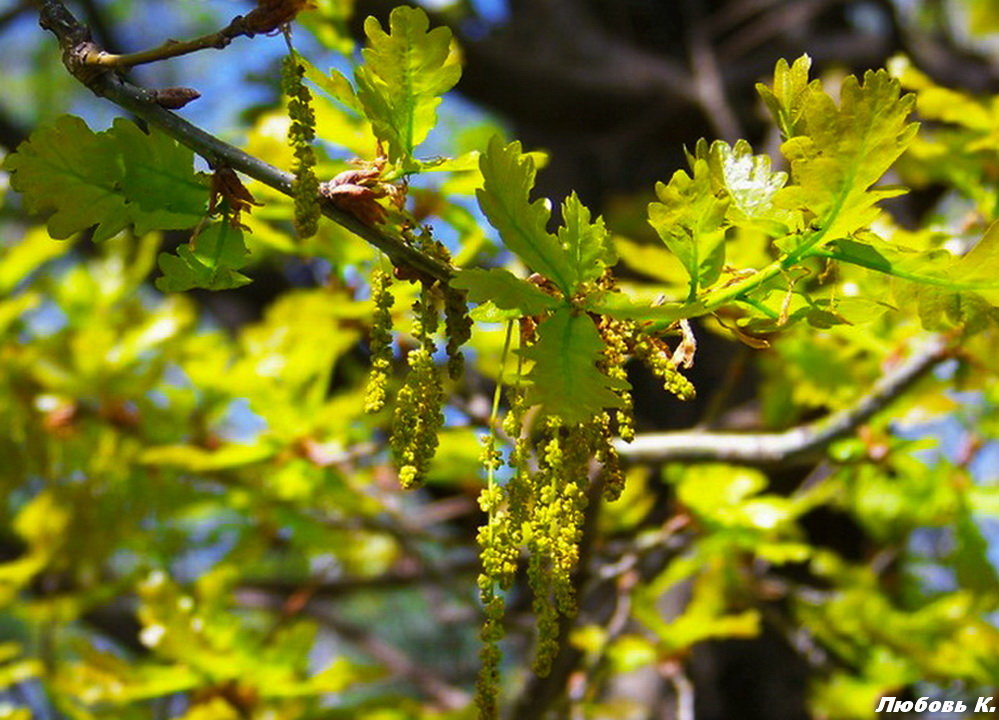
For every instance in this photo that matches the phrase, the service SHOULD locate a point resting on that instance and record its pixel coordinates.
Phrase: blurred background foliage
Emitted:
(198, 521)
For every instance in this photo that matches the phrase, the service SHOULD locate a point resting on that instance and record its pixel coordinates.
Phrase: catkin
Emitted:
(301, 134)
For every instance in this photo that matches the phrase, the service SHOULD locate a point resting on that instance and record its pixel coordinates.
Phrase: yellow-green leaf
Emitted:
(565, 378)
(404, 74)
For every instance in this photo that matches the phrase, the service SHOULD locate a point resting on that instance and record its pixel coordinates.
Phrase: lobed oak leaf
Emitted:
(405, 72)
(565, 378)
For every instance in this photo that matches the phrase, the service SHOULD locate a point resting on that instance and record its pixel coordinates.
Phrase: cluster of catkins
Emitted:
(541, 507)
(418, 413)
(553, 466)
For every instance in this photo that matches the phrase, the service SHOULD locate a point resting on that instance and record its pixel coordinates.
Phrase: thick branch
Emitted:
(76, 45)
(798, 444)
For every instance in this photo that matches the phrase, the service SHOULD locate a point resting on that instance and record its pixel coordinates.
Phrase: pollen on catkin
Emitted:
(616, 335)
(419, 406)
(381, 342)
(458, 328)
(301, 134)
(654, 353)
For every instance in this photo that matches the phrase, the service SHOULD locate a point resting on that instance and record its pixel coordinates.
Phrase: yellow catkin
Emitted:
(419, 413)
(381, 342)
(301, 134)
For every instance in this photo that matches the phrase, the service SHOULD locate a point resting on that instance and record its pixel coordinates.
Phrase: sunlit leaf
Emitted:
(565, 378)
(334, 83)
(622, 306)
(112, 179)
(505, 199)
(504, 290)
(587, 243)
(19, 260)
(787, 96)
(405, 72)
(837, 152)
(947, 291)
(749, 183)
(690, 218)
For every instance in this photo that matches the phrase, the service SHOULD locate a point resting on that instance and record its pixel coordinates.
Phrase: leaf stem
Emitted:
(714, 299)
(903, 274)
(494, 412)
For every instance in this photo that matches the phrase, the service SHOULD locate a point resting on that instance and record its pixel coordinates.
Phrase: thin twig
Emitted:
(401, 665)
(409, 575)
(13, 12)
(798, 444)
(174, 48)
(708, 81)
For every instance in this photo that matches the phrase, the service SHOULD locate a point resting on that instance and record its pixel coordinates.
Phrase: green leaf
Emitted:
(940, 103)
(565, 379)
(466, 162)
(934, 267)
(839, 152)
(20, 260)
(404, 74)
(508, 177)
(159, 176)
(971, 554)
(786, 99)
(690, 219)
(983, 17)
(749, 183)
(978, 269)
(505, 291)
(335, 84)
(718, 492)
(705, 616)
(587, 244)
(196, 459)
(112, 179)
(946, 291)
(210, 261)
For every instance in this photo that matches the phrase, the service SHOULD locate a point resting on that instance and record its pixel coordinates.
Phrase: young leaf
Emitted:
(508, 176)
(110, 179)
(690, 219)
(217, 252)
(973, 296)
(158, 176)
(839, 152)
(587, 244)
(786, 99)
(946, 292)
(504, 290)
(749, 183)
(404, 74)
(973, 272)
(565, 379)
(977, 268)
(334, 84)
